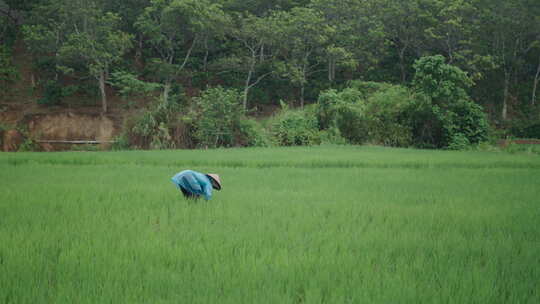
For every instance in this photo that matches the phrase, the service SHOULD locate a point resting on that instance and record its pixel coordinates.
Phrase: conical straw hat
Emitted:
(215, 177)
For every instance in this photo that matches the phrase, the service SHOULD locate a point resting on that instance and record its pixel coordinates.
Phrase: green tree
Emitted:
(98, 47)
(450, 32)
(8, 72)
(358, 38)
(218, 113)
(303, 37)
(404, 24)
(262, 8)
(512, 33)
(443, 82)
(254, 52)
(174, 28)
(443, 115)
(81, 36)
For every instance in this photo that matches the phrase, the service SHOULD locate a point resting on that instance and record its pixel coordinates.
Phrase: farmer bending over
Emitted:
(194, 184)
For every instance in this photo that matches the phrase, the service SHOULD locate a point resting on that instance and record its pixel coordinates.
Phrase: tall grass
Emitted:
(110, 227)
(298, 157)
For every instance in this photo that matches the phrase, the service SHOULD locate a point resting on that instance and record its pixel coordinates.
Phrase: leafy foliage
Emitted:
(129, 86)
(295, 127)
(8, 72)
(252, 134)
(443, 114)
(217, 115)
(367, 113)
(294, 50)
(54, 92)
(443, 83)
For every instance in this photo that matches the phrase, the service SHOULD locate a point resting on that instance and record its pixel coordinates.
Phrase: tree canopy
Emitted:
(284, 50)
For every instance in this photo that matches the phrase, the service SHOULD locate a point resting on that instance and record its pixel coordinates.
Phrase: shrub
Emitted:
(251, 134)
(443, 83)
(526, 128)
(217, 115)
(352, 122)
(121, 142)
(459, 142)
(385, 119)
(425, 122)
(367, 88)
(54, 92)
(8, 72)
(370, 112)
(332, 136)
(295, 127)
(470, 120)
(436, 127)
(329, 101)
(153, 128)
(442, 114)
(29, 145)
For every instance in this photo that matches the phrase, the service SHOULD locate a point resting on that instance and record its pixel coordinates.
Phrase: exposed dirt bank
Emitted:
(63, 126)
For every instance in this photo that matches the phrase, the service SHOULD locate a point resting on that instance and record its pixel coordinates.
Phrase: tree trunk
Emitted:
(402, 64)
(535, 84)
(302, 89)
(206, 53)
(166, 91)
(331, 70)
(245, 97)
(138, 52)
(249, 76)
(248, 80)
(504, 113)
(102, 91)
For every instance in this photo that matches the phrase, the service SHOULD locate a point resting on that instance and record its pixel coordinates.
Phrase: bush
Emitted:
(352, 122)
(367, 88)
(332, 136)
(54, 92)
(436, 127)
(370, 112)
(217, 116)
(8, 72)
(215, 119)
(470, 120)
(121, 143)
(385, 116)
(295, 127)
(459, 142)
(328, 103)
(251, 134)
(526, 128)
(443, 83)
(29, 145)
(153, 128)
(442, 114)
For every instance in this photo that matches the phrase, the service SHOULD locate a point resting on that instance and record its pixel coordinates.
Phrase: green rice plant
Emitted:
(329, 224)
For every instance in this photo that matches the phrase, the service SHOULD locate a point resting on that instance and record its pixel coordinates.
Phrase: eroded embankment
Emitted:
(54, 132)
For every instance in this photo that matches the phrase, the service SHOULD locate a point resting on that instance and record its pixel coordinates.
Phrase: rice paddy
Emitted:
(335, 224)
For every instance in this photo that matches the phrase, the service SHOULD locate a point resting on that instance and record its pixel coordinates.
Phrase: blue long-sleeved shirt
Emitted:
(194, 182)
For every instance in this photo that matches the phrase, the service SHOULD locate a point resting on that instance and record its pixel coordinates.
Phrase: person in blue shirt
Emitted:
(194, 184)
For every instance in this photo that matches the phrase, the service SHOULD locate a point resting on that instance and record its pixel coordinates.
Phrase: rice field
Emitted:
(330, 224)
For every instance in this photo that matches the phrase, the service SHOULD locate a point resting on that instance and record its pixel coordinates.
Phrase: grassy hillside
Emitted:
(299, 225)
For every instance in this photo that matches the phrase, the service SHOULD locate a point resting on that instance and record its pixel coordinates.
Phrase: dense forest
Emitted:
(260, 53)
